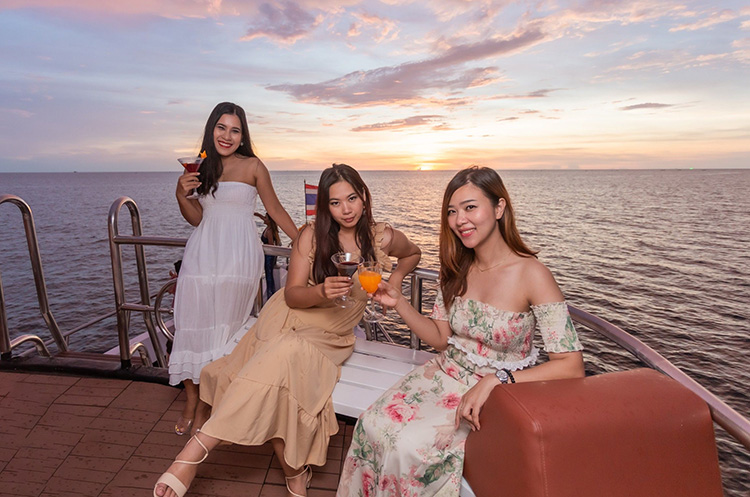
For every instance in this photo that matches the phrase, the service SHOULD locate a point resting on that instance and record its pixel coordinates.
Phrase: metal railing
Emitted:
(6, 345)
(726, 417)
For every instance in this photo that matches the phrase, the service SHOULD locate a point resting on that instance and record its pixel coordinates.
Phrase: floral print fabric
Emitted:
(406, 444)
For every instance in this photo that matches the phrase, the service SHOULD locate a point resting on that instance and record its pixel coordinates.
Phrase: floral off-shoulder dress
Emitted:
(406, 444)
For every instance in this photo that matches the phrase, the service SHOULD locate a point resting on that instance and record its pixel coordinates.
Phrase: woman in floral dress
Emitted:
(493, 295)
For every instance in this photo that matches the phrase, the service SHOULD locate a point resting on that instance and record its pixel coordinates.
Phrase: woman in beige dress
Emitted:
(277, 383)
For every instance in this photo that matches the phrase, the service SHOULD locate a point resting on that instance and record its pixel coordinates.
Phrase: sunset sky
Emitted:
(90, 85)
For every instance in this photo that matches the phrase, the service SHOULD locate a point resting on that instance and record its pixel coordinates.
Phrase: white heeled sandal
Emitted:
(171, 480)
(307, 469)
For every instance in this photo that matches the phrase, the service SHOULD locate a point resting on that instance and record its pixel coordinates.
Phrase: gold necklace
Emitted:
(494, 265)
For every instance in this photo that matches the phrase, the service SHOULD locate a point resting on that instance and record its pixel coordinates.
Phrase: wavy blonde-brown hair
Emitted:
(455, 258)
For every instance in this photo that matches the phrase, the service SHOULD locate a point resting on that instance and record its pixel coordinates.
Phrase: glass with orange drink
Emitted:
(370, 274)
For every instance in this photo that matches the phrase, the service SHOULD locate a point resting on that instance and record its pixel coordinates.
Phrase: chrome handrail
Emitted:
(6, 347)
(122, 307)
(723, 415)
(726, 417)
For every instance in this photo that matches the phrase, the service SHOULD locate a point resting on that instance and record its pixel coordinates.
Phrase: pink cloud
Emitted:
(710, 20)
(409, 83)
(286, 23)
(648, 105)
(408, 122)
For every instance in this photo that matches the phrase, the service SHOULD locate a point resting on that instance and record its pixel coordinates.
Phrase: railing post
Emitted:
(5, 350)
(123, 317)
(115, 253)
(41, 286)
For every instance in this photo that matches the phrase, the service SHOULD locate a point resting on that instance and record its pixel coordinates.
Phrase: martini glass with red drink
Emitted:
(192, 164)
(346, 264)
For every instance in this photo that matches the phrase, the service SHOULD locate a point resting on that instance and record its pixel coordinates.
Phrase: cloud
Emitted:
(408, 122)
(286, 23)
(647, 105)
(384, 29)
(410, 82)
(711, 20)
(17, 112)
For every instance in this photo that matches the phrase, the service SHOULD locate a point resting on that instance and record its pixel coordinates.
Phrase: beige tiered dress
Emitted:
(277, 383)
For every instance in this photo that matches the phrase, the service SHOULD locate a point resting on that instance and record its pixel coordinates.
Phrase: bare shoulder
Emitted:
(304, 241)
(249, 169)
(539, 282)
(388, 234)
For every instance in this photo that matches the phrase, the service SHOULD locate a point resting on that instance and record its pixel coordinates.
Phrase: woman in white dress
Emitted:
(223, 260)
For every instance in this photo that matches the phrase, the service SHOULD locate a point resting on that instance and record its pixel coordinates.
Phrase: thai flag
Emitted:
(311, 197)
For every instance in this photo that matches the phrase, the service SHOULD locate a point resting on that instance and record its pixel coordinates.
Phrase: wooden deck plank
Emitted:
(66, 436)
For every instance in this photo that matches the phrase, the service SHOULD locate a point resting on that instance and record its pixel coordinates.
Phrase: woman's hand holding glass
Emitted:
(336, 287)
(187, 183)
(346, 264)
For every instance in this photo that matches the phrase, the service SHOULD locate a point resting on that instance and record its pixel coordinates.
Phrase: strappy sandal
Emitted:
(182, 427)
(307, 469)
(171, 480)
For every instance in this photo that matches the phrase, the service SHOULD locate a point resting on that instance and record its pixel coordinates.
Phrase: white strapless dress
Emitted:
(218, 281)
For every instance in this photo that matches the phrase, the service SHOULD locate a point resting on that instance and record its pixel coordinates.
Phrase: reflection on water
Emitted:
(663, 254)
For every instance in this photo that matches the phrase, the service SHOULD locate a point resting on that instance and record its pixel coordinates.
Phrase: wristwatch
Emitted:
(505, 376)
(502, 375)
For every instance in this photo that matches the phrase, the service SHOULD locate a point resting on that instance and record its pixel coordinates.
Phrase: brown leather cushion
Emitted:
(633, 433)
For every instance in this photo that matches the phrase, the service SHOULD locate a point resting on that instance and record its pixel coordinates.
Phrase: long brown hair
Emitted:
(455, 258)
(327, 230)
(211, 168)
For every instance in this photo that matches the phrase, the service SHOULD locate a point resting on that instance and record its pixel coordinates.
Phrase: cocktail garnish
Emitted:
(203, 154)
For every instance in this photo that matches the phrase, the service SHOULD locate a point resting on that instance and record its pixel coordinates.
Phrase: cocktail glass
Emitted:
(346, 264)
(370, 274)
(192, 164)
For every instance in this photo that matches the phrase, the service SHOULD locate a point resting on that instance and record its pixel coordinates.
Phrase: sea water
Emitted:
(664, 254)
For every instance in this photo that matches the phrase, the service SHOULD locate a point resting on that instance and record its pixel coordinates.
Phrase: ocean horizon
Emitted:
(662, 253)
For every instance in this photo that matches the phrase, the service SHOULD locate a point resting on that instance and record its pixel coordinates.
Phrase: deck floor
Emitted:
(75, 436)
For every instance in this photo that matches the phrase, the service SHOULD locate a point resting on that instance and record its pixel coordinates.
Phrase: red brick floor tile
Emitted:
(146, 464)
(112, 437)
(51, 379)
(13, 420)
(166, 440)
(44, 436)
(336, 453)
(146, 397)
(99, 449)
(103, 383)
(53, 451)
(111, 491)
(83, 488)
(90, 391)
(248, 459)
(95, 463)
(232, 473)
(130, 415)
(134, 479)
(25, 406)
(37, 464)
(20, 489)
(122, 426)
(68, 471)
(64, 421)
(223, 488)
(25, 475)
(273, 491)
(157, 451)
(40, 393)
(84, 400)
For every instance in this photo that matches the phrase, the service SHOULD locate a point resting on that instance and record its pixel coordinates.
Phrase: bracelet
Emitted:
(510, 375)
